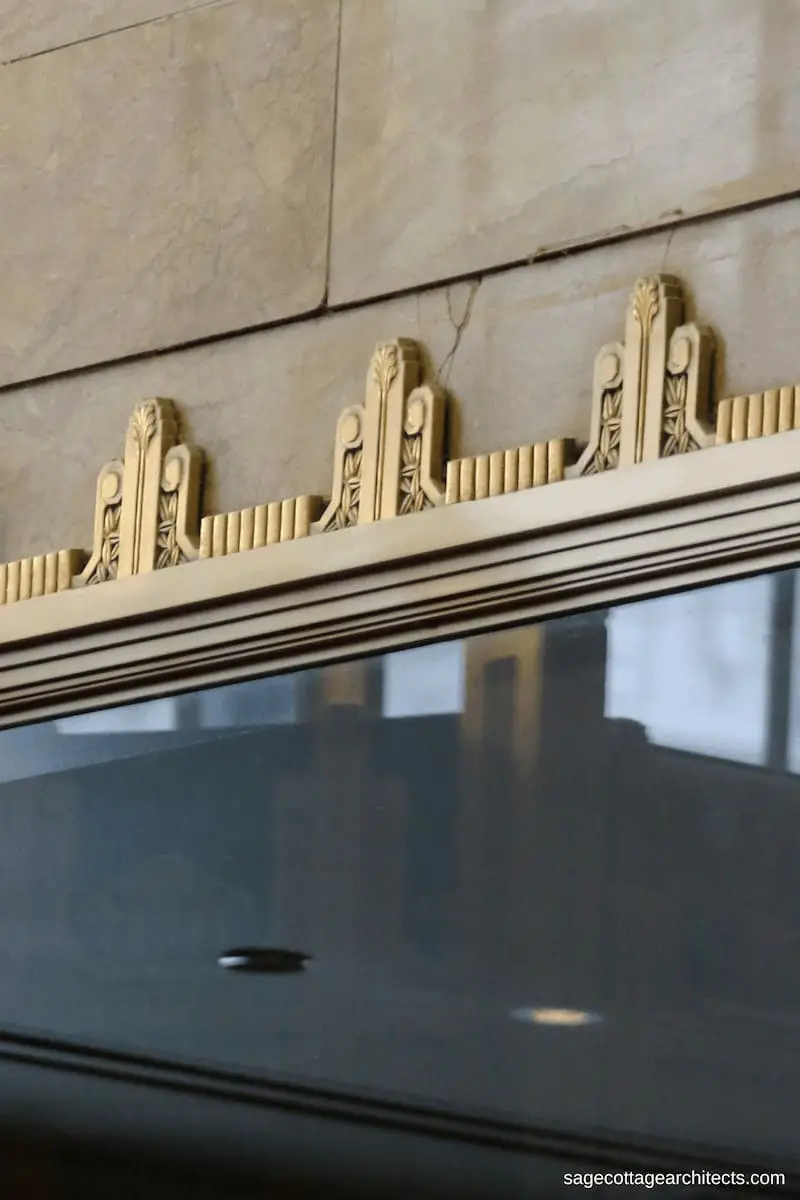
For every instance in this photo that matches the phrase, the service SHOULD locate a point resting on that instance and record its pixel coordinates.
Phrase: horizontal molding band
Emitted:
(691, 519)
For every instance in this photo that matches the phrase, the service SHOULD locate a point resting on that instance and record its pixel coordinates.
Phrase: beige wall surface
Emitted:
(264, 405)
(166, 180)
(165, 183)
(474, 132)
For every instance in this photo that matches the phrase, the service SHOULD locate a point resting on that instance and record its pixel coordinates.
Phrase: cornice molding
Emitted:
(453, 571)
(651, 399)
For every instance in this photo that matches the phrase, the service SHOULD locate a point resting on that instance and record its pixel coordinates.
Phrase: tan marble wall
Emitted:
(165, 183)
(166, 180)
(498, 129)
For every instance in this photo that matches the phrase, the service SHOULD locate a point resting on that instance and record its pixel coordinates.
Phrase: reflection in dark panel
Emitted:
(547, 873)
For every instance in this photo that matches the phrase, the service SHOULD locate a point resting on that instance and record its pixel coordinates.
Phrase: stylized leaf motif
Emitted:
(145, 423)
(645, 302)
(168, 551)
(412, 493)
(675, 437)
(347, 513)
(108, 563)
(384, 366)
(606, 456)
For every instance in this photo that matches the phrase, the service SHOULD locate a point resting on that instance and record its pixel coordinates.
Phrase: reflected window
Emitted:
(694, 669)
(134, 730)
(153, 716)
(424, 681)
(272, 701)
(791, 659)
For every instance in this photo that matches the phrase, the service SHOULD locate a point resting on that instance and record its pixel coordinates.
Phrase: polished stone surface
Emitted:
(165, 184)
(494, 129)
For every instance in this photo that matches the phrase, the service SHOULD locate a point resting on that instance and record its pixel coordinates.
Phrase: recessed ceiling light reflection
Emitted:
(565, 1017)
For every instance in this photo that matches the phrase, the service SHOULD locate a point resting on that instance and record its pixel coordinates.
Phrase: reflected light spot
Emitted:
(556, 1016)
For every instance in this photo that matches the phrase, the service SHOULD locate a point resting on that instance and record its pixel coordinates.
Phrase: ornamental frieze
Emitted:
(651, 399)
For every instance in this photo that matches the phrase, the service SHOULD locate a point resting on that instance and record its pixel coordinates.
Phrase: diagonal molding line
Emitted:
(107, 33)
(150, 1071)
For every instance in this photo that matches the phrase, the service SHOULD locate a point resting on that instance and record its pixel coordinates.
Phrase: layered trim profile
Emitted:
(671, 491)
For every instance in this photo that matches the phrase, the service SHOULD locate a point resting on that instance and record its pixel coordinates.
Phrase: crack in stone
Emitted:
(670, 236)
(247, 141)
(460, 329)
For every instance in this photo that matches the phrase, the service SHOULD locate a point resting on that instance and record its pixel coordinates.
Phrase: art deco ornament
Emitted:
(651, 399)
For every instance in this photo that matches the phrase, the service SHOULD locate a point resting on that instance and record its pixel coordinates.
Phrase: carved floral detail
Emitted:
(168, 550)
(144, 423)
(412, 493)
(384, 367)
(676, 438)
(108, 563)
(606, 456)
(645, 302)
(347, 512)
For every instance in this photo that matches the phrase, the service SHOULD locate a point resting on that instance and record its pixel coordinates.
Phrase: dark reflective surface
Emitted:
(548, 872)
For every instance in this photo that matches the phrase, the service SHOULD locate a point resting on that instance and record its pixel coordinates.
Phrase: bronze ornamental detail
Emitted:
(651, 399)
